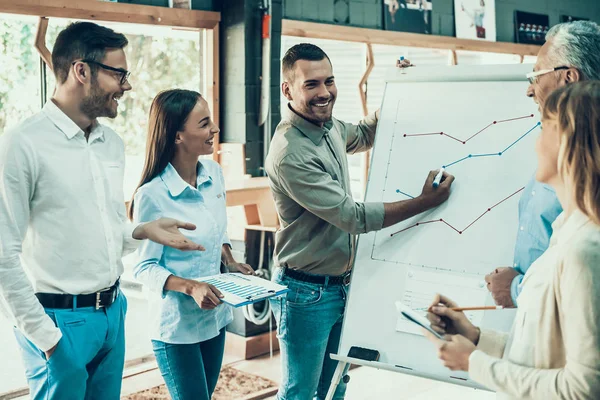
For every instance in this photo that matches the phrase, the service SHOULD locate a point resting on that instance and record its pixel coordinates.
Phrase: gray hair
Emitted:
(576, 44)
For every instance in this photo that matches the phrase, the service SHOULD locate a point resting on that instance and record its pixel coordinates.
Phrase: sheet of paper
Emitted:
(422, 285)
(415, 317)
(239, 290)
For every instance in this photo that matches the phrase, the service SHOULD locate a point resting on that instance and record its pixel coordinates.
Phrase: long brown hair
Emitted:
(169, 111)
(576, 108)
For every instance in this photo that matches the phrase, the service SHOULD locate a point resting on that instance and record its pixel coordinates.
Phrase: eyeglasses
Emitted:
(123, 72)
(532, 77)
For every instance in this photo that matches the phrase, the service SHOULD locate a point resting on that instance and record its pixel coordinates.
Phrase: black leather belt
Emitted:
(97, 300)
(317, 279)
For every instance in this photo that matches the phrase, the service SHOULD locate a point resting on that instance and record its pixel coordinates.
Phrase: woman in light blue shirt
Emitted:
(187, 319)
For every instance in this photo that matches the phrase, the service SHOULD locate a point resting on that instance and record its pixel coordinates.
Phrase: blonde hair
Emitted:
(576, 108)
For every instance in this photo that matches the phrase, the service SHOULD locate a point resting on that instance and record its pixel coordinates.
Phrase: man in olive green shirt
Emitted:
(308, 174)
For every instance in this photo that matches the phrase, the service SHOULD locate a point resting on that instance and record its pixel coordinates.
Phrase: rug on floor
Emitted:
(233, 384)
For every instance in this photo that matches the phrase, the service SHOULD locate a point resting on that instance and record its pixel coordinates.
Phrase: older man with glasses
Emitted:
(571, 54)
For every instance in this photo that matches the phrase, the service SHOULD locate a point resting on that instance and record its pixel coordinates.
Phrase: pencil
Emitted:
(477, 308)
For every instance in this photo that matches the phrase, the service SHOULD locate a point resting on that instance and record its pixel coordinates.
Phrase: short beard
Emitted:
(96, 103)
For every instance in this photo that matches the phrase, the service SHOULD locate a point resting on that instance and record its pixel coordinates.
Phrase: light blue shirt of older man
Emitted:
(538, 208)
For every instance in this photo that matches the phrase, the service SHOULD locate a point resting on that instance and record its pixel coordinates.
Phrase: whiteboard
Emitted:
(476, 122)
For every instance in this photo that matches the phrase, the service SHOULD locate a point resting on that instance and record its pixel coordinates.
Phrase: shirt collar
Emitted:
(564, 228)
(67, 125)
(177, 185)
(308, 129)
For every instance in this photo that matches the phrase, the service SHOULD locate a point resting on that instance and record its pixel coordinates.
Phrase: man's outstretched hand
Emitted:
(165, 231)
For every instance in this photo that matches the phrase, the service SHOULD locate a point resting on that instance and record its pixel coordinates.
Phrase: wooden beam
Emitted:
(376, 36)
(365, 77)
(95, 10)
(40, 42)
(452, 58)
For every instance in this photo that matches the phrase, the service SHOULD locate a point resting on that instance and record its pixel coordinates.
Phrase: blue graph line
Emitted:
(406, 194)
(490, 154)
(240, 291)
(479, 155)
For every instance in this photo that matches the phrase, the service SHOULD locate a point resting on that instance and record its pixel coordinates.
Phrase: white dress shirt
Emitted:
(63, 227)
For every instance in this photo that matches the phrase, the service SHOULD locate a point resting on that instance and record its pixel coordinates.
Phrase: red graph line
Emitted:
(452, 227)
(472, 136)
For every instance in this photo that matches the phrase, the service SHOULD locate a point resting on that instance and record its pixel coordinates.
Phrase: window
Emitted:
(20, 78)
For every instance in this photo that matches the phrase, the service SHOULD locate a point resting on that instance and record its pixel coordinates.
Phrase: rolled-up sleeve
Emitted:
(360, 137)
(148, 270)
(307, 183)
(18, 169)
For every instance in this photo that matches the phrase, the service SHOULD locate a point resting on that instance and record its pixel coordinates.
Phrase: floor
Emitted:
(370, 383)
(365, 383)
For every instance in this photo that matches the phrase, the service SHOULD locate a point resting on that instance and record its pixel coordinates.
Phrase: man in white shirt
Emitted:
(63, 228)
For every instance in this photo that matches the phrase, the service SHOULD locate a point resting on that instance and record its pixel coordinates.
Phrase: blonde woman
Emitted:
(553, 350)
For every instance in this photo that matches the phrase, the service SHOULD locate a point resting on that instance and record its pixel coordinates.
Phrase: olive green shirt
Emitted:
(308, 174)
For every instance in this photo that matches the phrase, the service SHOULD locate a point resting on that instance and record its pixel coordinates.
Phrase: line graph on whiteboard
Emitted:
(487, 156)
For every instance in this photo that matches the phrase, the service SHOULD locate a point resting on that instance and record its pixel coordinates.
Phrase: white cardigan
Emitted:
(553, 350)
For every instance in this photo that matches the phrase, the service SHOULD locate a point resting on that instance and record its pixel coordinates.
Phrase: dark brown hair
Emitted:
(301, 51)
(83, 41)
(169, 111)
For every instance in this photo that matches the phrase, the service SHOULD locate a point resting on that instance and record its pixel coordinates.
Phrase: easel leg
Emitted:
(337, 375)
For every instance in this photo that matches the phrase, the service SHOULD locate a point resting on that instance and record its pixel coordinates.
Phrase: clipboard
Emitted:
(416, 318)
(240, 290)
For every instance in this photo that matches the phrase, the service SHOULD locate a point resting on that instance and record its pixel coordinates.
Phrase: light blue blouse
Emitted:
(175, 317)
(538, 208)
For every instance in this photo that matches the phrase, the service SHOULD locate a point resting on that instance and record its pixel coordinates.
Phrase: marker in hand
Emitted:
(438, 178)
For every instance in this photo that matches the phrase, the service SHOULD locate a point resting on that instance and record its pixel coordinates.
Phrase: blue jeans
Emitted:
(88, 360)
(191, 371)
(309, 326)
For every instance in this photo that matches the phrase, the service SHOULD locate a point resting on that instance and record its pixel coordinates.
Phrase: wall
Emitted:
(368, 13)
(241, 55)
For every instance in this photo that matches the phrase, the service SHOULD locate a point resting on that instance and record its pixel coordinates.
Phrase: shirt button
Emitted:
(522, 228)
(514, 265)
(533, 193)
